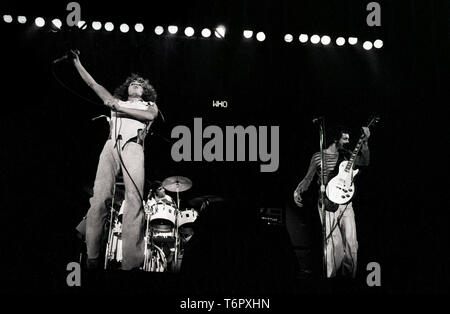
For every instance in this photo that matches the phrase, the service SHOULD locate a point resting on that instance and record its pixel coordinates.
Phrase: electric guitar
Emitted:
(340, 189)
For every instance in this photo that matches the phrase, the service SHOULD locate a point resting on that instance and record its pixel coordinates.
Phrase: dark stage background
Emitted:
(51, 146)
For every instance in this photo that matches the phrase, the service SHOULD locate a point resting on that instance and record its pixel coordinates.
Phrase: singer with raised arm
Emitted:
(340, 228)
(133, 111)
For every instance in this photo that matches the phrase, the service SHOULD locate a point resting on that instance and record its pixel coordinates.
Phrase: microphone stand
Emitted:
(322, 194)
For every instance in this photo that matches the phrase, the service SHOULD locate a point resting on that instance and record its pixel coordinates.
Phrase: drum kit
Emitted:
(167, 229)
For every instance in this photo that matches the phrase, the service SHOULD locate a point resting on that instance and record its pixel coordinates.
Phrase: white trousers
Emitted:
(341, 244)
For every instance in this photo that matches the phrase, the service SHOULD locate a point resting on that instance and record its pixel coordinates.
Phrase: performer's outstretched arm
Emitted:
(106, 96)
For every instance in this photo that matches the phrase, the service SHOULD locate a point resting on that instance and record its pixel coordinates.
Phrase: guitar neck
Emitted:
(355, 153)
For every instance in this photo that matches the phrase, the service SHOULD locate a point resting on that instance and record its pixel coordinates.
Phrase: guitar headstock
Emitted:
(373, 120)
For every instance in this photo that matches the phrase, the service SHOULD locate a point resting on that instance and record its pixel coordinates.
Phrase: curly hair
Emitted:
(334, 134)
(149, 93)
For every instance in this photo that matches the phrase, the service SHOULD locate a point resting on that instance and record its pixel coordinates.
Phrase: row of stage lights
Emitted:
(219, 32)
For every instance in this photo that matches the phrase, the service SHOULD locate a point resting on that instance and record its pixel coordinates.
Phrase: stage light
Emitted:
(367, 45)
(378, 43)
(109, 26)
(352, 40)
(96, 25)
(303, 38)
(124, 28)
(220, 31)
(57, 23)
(82, 24)
(39, 21)
(288, 38)
(248, 34)
(139, 27)
(22, 19)
(189, 31)
(340, 41)
(159, 30)
(315, 39)
(7, 18)
(206, 32)
(173, 29)
(325, 40)
(260, 36)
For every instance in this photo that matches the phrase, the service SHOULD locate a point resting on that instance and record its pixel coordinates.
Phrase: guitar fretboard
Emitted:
(355, 153)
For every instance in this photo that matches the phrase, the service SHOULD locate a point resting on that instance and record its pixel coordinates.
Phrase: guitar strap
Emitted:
(337, 222)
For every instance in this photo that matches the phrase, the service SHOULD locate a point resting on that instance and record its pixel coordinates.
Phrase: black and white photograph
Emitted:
(224, 155)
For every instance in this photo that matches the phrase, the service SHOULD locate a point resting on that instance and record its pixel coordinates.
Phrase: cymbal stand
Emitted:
(109, 245)
(175, 260)
(147, 263)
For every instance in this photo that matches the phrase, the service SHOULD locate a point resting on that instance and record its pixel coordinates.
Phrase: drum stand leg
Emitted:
(175, 258)
(147, 267)
(109, 243)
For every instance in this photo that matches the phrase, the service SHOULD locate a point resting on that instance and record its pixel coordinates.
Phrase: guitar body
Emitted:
(340, 189)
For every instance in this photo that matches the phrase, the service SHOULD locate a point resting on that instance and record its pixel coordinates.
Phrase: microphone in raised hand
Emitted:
(71, 54)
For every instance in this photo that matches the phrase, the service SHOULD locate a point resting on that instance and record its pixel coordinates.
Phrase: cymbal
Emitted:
(176, 182)
(198, 201)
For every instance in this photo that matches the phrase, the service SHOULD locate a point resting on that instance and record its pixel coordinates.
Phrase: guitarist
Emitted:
(341, 242)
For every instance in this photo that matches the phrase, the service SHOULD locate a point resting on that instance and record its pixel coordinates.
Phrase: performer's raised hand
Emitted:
(366, 132)
(74, 54)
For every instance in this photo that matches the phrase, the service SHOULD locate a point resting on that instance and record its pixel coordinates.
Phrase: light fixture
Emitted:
(39, 21)
(7, 18)
(139, 27)
(367, 45)
(260, 36)
(189, 31)
(248, 34)
(206, 32)
(21, 19)
(173, 29)
(315, 39)
(124, 28)
(352, 40)
(288, 38)
(57, 23)
(109, 26)
(303, 38)
(220, 31)
(82, 24)
(159, 30)
(340, 41)
(378, 43)
(96, 25)
(325, 40)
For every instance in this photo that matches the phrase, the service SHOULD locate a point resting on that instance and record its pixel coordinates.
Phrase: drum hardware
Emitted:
(112, 245)
(167, 228)
(177, 184)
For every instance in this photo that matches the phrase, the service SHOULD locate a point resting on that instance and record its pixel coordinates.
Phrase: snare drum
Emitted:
(162, 214)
